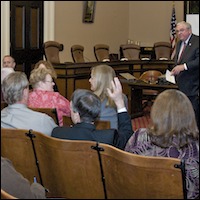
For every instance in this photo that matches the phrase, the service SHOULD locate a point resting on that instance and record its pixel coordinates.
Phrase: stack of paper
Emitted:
(170, 77)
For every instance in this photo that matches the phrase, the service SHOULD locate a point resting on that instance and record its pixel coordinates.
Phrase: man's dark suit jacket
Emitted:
(87, 131)
(188, 80)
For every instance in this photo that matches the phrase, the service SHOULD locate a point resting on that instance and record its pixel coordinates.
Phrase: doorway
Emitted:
(26, 33)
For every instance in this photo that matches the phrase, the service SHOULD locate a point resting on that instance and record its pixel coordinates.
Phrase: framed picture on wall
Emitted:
(88, 11)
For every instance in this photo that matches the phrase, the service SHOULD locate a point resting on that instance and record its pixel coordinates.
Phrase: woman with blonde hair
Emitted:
(48, 65)
(43, 95)
(100, 80)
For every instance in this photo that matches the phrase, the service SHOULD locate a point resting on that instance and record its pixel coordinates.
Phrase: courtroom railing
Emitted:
(75, 75)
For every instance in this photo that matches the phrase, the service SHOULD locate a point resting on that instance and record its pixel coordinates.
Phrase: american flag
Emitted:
(173, 37)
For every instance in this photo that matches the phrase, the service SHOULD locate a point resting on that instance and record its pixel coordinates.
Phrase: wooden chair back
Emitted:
(100, 125)
(150, 76)
(74, 169)
(67, 121)
(69, 168)
(101, 52)
(131, 176)
(130, 51)
(17, 146)
(52, 112)
(51, 51)
(5, 195)
(162, 50)
(77, 53)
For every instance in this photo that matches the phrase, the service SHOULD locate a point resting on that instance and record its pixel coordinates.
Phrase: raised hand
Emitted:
(116, 93)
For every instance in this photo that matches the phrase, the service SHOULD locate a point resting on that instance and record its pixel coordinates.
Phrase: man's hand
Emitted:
(177, 69)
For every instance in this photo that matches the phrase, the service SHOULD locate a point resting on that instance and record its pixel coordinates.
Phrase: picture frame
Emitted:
(88, 11)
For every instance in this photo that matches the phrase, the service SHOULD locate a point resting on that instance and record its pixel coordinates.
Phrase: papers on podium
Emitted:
(170, 77)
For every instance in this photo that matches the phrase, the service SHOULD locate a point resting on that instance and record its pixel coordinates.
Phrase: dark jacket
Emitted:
(87, 131)
(188, 80)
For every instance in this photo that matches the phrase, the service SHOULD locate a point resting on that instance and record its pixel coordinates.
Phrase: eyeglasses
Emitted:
(49, 81)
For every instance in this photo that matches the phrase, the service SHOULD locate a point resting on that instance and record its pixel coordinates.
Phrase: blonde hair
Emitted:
(48, 65)
(37, 75)
(103, 75)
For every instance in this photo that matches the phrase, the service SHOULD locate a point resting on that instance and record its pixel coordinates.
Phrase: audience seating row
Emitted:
(102, 52)
(67, 121)
(85, 169)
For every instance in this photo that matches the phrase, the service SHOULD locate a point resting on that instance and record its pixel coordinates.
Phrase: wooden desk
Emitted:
(76, 75)
(135, 92)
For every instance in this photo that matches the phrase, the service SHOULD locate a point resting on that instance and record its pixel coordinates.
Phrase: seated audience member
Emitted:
(101, 77)
(173, 133)
(48, 65)
(5, 72)
(9, 61)
(43, 96)
(85, 110)
(15, 88)
(15, 184)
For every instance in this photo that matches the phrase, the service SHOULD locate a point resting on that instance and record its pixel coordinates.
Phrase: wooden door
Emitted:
(26, 33)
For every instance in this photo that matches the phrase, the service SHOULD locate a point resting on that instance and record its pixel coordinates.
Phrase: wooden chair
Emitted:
(5, 195)
(70, 168)
(130, 51)
(101, 52)
(151, 77)
(16, 145)
(131, 176)
(77, 53)
(51, 51)
(162, 50)
(75, 169)
(67, 121)
(52, 112)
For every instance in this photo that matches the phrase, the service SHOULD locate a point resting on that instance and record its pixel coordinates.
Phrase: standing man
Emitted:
(9, 61)
(186, 68)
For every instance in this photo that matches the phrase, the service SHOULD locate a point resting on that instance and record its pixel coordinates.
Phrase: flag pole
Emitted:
(173, 38)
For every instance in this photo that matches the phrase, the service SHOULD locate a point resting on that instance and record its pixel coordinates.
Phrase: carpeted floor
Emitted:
(142, 122)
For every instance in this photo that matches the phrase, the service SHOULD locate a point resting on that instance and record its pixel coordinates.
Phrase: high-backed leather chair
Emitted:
(151, 77)
(51, 51)
(130, 51)
(77, 53)
(162, 50)
(101, 52)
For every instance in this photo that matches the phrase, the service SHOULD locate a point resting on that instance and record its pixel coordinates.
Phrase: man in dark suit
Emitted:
(186, 68)
(85, 109)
